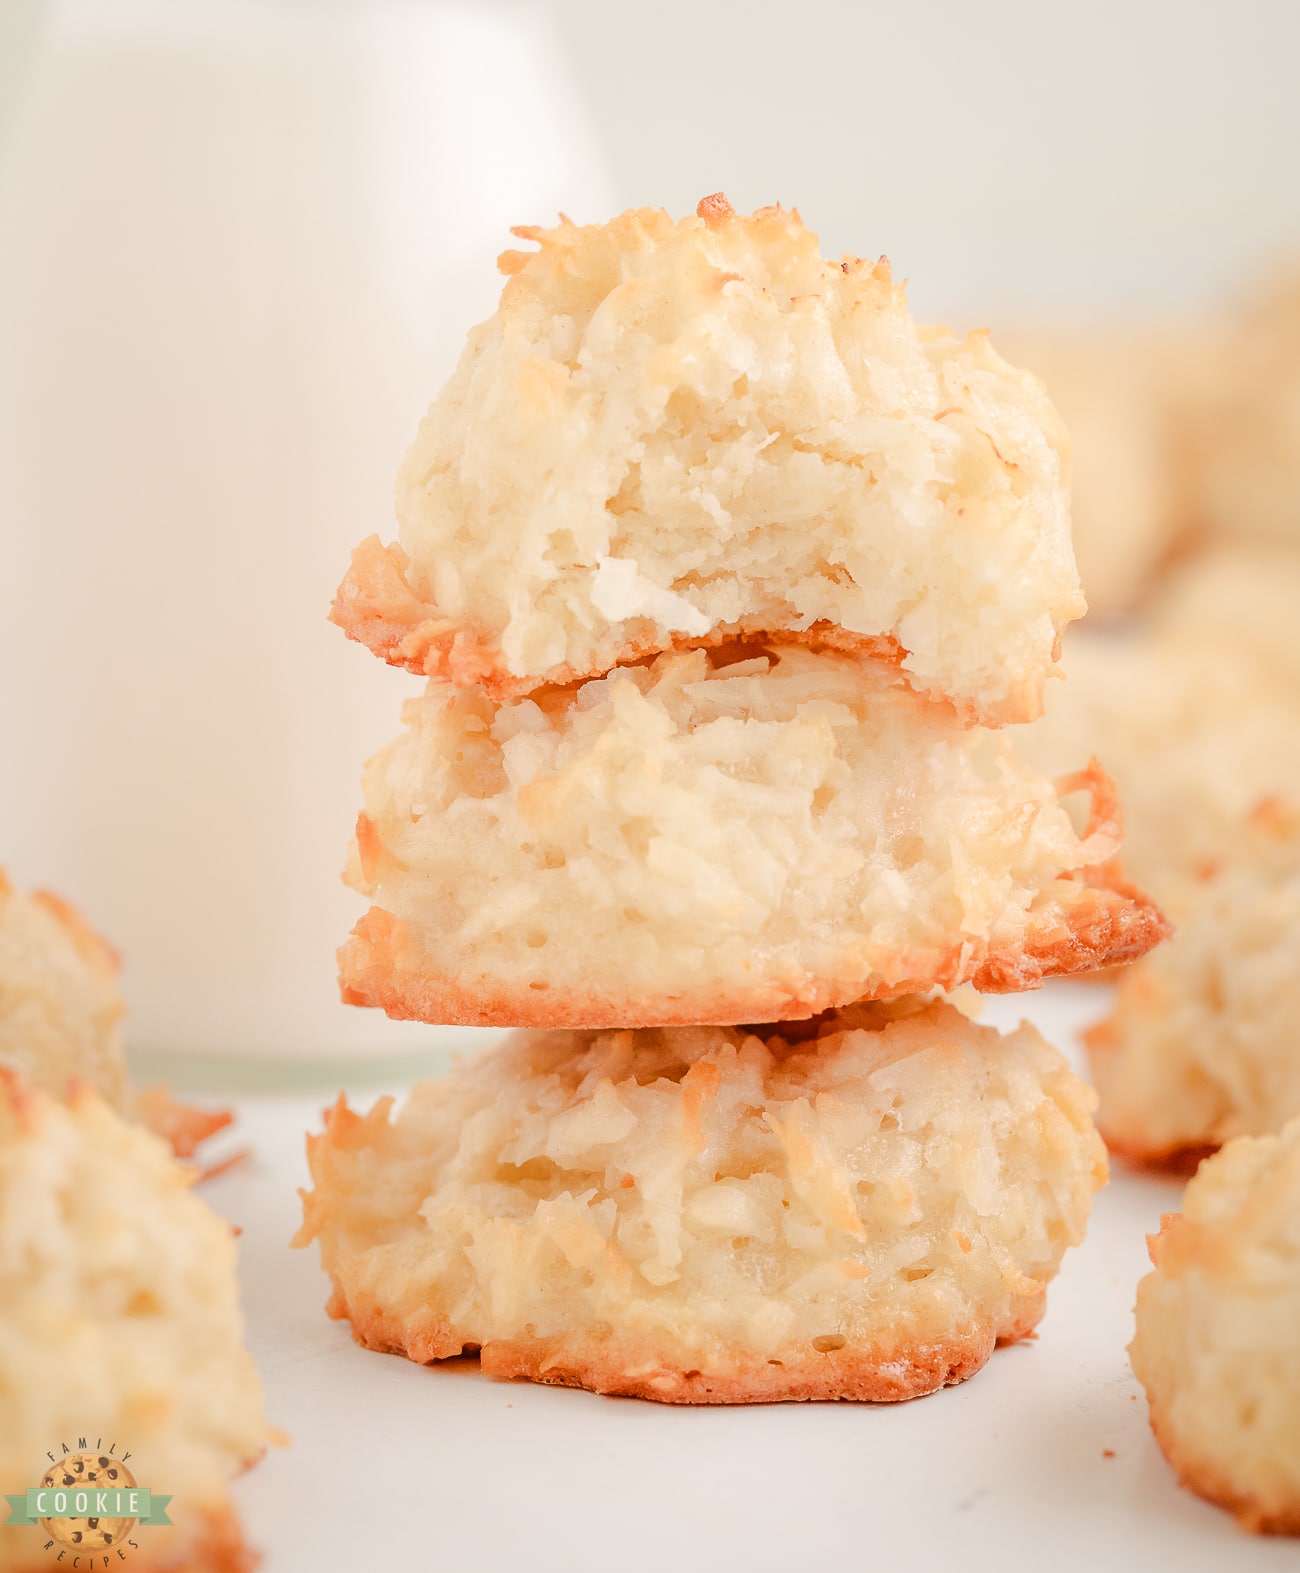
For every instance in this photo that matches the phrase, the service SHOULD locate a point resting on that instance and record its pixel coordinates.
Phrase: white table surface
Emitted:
(1009, 1471)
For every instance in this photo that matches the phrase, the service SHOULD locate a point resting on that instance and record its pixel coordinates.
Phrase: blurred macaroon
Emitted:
(1242, 596)
(61, 1016)
(60, 1006)
(1196, 731)
(1203, 1042)
(1245, 446)
(119, 1321)
(1123, 393)
(1217, 1341)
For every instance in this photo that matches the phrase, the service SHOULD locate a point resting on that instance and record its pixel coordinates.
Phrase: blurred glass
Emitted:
(240, 244)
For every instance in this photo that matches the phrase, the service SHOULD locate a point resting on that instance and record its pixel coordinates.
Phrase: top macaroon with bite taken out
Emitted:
(680, 432)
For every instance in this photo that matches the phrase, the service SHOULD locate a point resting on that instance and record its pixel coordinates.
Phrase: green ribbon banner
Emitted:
(40, 1502)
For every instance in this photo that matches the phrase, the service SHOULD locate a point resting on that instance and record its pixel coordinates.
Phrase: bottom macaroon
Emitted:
(1217, 1345)
(860, 1207)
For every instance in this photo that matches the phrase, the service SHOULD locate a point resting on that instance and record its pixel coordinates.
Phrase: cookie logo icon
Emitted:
(88, 1504)
(84, 1472)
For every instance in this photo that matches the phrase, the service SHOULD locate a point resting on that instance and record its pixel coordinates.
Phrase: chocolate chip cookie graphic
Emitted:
(88, 1472)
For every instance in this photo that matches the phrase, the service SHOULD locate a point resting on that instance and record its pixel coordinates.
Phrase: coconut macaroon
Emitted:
(861, 1208)
(1202, 1043)
(740, 834)
(1217, 1345)
(1246, 453)
(60, 1007)
(119, 1323)
(1120, 392)
(1242, 596)
(61, 1012)
(677, 432)
(1195, 733)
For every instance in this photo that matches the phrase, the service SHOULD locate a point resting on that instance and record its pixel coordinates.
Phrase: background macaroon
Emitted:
(1201, 1044)
(1215, 1345)
(119, 1316)
(61, 1012)
(60, 1007)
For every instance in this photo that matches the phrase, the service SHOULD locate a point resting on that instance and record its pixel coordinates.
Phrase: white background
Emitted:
(1011, 156)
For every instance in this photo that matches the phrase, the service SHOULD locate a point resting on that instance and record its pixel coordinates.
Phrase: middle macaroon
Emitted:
(754, 832)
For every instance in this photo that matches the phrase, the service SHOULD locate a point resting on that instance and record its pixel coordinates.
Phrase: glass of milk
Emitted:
(240, 244)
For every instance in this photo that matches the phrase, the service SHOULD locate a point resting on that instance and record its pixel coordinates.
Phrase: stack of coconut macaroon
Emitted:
(727, 579)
